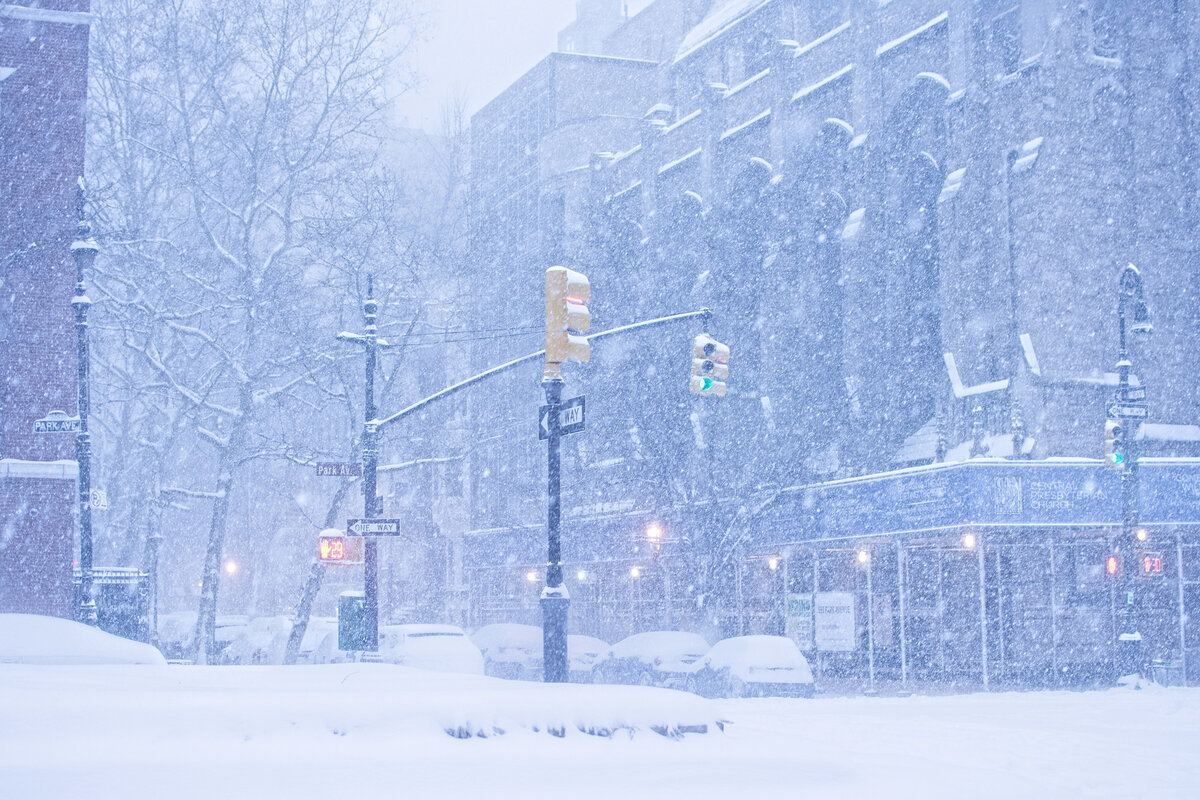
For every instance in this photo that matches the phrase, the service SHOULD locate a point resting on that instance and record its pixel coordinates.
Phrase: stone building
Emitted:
(909, 219)
(43, 89)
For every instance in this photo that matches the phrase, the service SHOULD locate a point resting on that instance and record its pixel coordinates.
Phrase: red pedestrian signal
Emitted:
(1112, 566)
(340, 549)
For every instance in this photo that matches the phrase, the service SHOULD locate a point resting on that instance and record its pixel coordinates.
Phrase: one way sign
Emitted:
(570, 418)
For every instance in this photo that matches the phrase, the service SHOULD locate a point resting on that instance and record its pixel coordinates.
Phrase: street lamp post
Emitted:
(83, 250)
(1130, 640)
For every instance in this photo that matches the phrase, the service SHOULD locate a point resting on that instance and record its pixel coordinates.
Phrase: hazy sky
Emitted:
(478, 47)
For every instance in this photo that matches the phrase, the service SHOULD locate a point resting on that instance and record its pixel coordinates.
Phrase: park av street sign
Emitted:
(570, 418)
(56, 422)
(329, 469)
(373, 527)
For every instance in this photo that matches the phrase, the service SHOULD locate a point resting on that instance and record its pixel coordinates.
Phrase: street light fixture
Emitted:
(83, 250)
(1130, 640)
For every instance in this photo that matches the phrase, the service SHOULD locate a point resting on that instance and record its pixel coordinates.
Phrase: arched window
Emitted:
(1108, 21)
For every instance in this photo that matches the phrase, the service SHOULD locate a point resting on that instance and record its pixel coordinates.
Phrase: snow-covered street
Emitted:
(374, 730)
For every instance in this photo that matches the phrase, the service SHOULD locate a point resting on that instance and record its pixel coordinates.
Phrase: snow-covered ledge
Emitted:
(46, 470)
(35, 14)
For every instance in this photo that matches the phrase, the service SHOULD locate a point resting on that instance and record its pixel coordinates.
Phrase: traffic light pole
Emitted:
(1129, 647)
(555, 599)
(372, 503)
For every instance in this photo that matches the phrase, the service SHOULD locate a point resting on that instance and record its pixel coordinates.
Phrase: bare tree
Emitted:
(231, 147)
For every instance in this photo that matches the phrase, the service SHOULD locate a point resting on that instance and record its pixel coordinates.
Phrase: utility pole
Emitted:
(566, 294)
(372, 502)
(1130, 639)
(83, 250)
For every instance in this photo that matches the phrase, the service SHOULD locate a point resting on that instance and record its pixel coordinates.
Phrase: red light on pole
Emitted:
(1112, 565)
(332, 548)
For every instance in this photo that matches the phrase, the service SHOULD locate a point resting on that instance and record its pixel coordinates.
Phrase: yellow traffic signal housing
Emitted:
(710, 366)
(567, 317)
(1114, 452)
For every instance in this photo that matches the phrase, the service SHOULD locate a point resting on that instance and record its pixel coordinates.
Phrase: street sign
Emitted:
(373, 527)
(1132, 394)
(56, 422)
(98, 499)
(570, 418)
(327, 469)
(1127, 411)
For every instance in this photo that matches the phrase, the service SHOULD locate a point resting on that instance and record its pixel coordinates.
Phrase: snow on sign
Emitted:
(570, 418)
(56, 422)
(373, 527)
(835, 622)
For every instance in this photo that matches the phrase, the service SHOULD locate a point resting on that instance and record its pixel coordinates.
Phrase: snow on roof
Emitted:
(720, 19)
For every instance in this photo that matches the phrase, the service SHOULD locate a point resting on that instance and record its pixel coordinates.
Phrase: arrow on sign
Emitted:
(373, 527)
(1127, 411)
(570, 418)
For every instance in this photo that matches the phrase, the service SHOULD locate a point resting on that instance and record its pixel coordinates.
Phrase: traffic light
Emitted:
(567, 316)
(710, 366)
(1114, 444)
(340, 549)
(1112, 566)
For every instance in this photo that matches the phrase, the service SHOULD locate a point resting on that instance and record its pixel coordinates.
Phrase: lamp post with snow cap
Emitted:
(1130, 291)
(83, 250)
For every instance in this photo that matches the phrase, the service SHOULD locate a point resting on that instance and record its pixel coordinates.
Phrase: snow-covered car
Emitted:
(175, 631)
(510, 650)
(653, 658)
(441, 648)
(312, 649)
(752, 666)
(262, 641)
(583, 652)
(36, 639)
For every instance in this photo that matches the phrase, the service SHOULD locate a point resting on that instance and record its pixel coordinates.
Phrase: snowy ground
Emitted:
(374, 730)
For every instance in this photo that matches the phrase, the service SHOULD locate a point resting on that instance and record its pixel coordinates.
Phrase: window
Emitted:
(1006, 40)
(1106, 27)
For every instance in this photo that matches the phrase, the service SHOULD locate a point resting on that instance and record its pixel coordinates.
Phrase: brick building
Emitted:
(43, 91)
(910, 218)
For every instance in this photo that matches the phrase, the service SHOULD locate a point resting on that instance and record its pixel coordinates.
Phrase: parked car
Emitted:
(510, 650)
(752, 666)
(313, 648)
(583, 653)
(654, 658)
(262, 641)
(442, 648)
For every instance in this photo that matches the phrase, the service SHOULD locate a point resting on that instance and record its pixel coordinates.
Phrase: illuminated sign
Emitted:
(339, 550)
(1150, 565)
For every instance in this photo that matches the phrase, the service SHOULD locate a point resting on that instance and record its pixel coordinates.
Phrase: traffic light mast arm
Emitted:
(516, 362)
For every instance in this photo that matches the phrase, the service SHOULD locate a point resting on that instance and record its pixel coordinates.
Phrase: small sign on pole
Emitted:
(56, 422)
(570, 417)
(331, 469)
(373, 527)
(98, 499)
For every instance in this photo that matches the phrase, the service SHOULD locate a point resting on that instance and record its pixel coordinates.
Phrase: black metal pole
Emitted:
(83, 250)
(370, 464)
(153, 544)
(555, 599)
(1130, 640)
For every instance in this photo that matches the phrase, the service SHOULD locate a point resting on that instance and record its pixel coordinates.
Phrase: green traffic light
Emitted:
(706, 384)
(1118, 458)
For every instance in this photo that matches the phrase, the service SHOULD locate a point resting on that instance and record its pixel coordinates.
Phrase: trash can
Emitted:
(352, 629)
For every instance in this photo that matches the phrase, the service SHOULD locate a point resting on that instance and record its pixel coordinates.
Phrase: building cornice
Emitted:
(11, 11)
